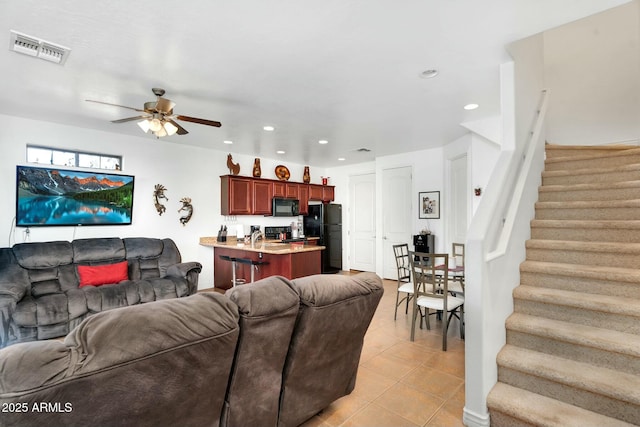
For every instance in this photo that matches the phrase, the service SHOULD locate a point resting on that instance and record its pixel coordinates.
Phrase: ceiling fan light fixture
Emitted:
(160, 132)
(155, 125)
(170, 128)
(144, 125)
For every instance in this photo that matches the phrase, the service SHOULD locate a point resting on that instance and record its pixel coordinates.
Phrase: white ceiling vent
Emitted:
(34, 46)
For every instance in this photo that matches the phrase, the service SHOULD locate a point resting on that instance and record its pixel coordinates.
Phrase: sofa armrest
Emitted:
(183, 269)
(14, 281)
(188, 271)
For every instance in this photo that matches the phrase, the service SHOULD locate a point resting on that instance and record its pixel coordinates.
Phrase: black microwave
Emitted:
(285, 207)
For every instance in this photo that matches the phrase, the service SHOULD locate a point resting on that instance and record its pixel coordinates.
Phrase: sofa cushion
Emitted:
(268, 310)
(165, 363)
(328, 303)
(103, 298)
(97, 275)
(43, 254)
(102, 250)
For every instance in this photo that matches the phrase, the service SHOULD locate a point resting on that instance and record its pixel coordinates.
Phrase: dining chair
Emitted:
(431, 293)
(456, 273)
(405, 286)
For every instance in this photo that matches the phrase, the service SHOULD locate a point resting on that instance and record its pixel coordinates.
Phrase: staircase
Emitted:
(572, 356)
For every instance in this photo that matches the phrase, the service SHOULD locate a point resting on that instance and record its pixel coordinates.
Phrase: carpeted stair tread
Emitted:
(595, 186)
(591, 171)
(599, 156)
(628, 275)
(572, 245)
(591, 302)
(582, 335)
(590, 224)
(611, 204)
(535, 409)
(605, 382)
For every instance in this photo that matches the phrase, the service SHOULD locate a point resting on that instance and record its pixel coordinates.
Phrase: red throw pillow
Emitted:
(97, 275)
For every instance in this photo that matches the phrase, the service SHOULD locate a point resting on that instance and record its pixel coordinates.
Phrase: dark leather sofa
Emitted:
(271, 353)
(41, 296)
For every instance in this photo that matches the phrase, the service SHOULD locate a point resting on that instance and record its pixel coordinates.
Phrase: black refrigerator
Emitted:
(325, 221)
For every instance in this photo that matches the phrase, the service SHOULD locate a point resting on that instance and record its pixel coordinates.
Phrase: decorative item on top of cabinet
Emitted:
(188, 208)
(257, 171)
(282, 173)
(234, 168)
(306, 177)
(158, 193)
(325, 180)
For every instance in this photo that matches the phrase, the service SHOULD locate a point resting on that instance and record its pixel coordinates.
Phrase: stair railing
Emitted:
(495, 250)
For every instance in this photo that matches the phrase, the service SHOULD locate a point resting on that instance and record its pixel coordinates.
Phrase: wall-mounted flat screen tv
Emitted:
(57, 197)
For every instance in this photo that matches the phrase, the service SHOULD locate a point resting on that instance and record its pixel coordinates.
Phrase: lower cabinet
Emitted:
(290, 265)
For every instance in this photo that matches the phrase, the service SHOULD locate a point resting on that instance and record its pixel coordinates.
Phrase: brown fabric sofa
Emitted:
(271, 353)
(165, 363)
(41, 292)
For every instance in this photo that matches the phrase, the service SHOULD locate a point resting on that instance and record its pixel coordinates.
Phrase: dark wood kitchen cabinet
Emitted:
(236, 195)
(322, 193)
(243, 195)
(262, 195)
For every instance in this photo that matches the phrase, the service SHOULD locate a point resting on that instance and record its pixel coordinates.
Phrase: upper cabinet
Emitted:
(243, 195)
(236, 195)
(322, 193)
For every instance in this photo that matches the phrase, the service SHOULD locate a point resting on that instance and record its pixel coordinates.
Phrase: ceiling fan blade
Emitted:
(115, 105)
(164, 105)
(199, 121)
(130, 119)
(181, 130)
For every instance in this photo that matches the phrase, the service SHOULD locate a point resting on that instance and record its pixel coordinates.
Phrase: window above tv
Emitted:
(65, 157)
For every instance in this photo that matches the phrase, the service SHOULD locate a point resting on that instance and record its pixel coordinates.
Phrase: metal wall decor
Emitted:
(429, 205)
(186, 207)
(158, 194)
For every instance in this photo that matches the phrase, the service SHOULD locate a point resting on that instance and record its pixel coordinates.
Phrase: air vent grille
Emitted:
(38, 48)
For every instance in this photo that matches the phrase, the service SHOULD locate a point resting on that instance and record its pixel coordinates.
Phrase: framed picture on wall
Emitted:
(429, 205)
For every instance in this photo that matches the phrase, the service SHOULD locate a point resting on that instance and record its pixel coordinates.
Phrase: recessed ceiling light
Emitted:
(269, 128)
(428, 74)
(280, 152)
(228, 142)
(341, 159)
(323, 141)
(471, 106)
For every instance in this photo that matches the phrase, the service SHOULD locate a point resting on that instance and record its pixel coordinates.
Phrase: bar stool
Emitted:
(233, 262)
(253, 265)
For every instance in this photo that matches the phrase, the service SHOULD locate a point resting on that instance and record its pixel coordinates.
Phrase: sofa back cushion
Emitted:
(149, 258)
(49, 266)
(325, 348)
(268, 310)
(162, 363)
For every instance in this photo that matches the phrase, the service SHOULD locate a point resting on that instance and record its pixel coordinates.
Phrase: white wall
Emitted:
(483, 157)
(592, 68)
(185, 171)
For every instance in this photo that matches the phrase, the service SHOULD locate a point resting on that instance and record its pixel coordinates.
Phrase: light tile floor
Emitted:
(402, 383)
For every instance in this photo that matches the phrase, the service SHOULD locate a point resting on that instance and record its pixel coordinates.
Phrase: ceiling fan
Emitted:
(158, 117)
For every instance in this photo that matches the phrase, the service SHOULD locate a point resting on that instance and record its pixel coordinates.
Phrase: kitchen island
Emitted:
(266, 258)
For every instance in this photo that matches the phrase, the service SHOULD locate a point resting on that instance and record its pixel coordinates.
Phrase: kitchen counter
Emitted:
(275, 247)
(264, 259)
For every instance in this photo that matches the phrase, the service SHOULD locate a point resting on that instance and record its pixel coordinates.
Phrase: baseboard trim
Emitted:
(473, 419)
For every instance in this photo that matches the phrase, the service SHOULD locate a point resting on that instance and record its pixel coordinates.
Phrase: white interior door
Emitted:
(397, 188)
(362, 189)
(459, 198)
